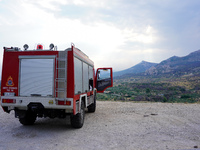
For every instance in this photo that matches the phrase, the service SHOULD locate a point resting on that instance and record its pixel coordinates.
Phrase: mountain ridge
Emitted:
(174, 65)
(138, 68)
(177, 65)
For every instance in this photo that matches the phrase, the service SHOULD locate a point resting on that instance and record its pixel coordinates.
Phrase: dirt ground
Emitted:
(114, 125)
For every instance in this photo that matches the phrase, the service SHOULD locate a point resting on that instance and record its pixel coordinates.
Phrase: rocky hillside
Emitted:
(177, 65)
(139, 68)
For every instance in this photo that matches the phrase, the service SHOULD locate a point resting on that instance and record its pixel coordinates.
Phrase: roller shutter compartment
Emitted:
(36, 77)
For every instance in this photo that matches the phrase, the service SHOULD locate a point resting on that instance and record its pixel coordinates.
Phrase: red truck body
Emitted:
(50, 83)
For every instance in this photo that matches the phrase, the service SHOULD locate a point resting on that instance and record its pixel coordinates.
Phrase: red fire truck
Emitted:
(50, 83)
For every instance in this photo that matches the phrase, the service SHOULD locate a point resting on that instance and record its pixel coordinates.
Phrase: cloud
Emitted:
(33, 24)
(89, 3)
(146, 35)
(113, 33)
(50, 5)
(37, 21)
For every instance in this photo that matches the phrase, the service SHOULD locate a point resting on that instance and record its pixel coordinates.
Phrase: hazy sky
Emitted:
(113, 33)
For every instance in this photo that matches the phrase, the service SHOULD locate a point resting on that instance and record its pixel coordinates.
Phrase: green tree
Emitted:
(148, 90)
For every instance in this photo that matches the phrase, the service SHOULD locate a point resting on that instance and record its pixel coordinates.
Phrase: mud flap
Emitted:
(20, 113)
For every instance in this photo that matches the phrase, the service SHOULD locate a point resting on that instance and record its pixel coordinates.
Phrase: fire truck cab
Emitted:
(51, 83)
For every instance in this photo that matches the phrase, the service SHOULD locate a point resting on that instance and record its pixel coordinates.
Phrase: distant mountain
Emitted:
(139, 68)
(177, 65)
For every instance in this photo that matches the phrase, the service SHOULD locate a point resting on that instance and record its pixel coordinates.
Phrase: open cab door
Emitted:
(104, 79)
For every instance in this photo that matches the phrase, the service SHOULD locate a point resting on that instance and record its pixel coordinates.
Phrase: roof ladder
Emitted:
(61, 80)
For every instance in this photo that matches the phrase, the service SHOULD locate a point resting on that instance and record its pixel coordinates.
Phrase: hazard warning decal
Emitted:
(10, 81)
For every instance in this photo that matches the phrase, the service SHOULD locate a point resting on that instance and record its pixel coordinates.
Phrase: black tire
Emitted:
(77, 120)
(92, 107)
(29, 118)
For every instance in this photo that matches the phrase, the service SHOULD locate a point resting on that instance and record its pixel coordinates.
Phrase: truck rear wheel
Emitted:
(28, 119)
(77, 120)
(92, 107)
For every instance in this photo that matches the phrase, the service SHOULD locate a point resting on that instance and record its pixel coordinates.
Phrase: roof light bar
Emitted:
(51, 46)
(26, 47)
(39, 46)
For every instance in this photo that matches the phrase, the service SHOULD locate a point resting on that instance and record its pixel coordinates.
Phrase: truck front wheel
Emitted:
(28, 119)
(77, 120)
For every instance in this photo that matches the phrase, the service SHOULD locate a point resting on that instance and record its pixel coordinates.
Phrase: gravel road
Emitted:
(114, 125)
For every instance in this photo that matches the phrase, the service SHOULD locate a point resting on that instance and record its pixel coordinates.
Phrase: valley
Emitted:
(174, 80)
(184, 89)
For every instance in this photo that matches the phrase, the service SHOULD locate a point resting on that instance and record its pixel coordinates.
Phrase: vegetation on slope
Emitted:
(184, 89)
